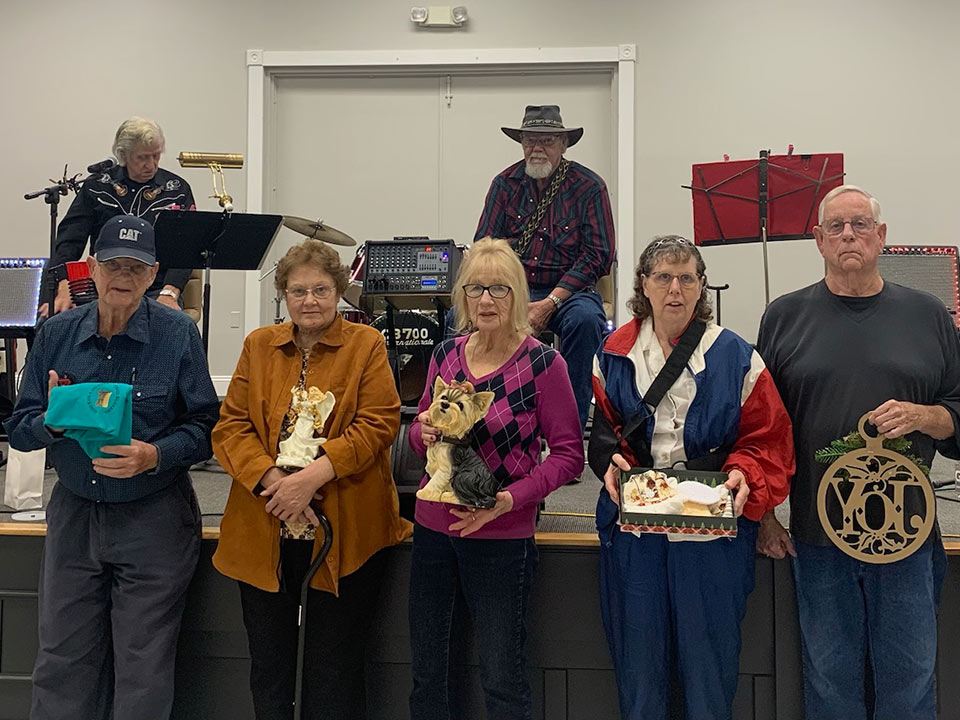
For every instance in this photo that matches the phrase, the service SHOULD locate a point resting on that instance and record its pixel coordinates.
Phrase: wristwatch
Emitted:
(556, 301)
(169, 293)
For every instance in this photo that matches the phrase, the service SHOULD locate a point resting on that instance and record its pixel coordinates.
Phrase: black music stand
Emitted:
(193, 239)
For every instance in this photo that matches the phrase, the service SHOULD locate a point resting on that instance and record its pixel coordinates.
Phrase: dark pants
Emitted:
(333, 673)
(495, 577)
(848, 608)
(676, 604)
(581, 325)
(113, 584)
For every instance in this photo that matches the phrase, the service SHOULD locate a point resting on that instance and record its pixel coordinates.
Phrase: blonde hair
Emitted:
(495, 258)
(136, 131)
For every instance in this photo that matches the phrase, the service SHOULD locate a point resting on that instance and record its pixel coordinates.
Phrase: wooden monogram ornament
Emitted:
(871, 485)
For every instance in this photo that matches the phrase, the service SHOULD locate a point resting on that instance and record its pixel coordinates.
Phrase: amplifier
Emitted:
(20, 291)
(930, 268)
(406, 266)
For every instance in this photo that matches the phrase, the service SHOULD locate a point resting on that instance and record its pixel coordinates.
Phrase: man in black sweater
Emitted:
(849, 345)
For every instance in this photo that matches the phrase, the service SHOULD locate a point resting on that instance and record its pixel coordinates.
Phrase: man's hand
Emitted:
(539, 314)
(53, 380)
(61, 302)
(738, 482)
(773, 540)
(135, 458)
(170, 302)
(611, 478)
(896, 418)
(473, 519)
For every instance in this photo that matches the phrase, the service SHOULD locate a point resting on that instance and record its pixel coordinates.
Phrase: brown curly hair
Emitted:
(318, 255)
(673, 249)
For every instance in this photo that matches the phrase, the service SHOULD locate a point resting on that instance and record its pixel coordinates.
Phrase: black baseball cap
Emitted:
(126, 236)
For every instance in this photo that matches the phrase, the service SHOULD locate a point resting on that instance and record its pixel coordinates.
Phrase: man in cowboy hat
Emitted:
(556, 214)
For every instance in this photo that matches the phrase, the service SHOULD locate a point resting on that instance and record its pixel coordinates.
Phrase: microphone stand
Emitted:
(51, 196)
(278, 318)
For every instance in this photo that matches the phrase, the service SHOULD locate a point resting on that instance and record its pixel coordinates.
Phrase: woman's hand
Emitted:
(611, 478)
(290, 496)
(428, 433)
(473, 519)
(272, 476)
(738, 483)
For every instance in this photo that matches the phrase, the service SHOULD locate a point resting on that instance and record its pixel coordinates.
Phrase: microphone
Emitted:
(102, 166)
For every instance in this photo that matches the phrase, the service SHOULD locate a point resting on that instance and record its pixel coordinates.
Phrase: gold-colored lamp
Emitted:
(216, 162)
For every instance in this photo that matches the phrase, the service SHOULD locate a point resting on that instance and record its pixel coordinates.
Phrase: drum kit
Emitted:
(414, 331)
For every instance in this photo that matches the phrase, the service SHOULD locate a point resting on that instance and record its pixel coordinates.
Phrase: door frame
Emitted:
(264, 67)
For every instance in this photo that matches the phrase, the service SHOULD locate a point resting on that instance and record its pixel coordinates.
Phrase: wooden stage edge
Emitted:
(951, 543)
(213, 533)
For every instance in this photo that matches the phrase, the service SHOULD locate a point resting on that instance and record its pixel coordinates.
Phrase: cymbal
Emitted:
(318, 231)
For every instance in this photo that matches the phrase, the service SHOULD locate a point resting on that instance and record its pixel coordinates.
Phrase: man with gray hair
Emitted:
(137, 186)
(849, 346)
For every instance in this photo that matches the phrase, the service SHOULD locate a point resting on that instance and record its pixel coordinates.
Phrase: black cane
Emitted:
(302, 611)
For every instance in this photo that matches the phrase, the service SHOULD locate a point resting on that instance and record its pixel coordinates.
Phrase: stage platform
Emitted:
(569, 662)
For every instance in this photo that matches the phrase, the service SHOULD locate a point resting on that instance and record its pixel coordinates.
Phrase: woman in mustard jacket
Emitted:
(268, 533)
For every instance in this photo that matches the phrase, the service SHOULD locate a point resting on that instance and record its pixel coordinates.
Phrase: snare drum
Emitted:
(352, 314)
(355, 285)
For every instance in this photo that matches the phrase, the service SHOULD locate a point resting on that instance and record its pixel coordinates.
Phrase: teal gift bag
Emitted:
(93, 414)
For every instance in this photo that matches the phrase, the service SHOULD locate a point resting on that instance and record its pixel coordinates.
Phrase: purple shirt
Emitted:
(574, 245)
(532, 399)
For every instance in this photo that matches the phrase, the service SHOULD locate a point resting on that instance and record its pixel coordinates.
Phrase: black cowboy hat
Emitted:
(543, 119)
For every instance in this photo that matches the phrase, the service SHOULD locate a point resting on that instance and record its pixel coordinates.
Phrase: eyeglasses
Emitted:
(475, 290)
(860, 225)
(112, 267)
(546, 141)
(665, 279)
(299, 293)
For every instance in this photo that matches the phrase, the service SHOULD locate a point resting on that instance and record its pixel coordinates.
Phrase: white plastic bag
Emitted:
(23, 489)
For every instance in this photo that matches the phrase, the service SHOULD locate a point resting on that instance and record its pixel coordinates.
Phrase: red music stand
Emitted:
(771, 198)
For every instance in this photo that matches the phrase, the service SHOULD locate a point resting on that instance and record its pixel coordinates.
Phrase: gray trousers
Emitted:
(113, 584)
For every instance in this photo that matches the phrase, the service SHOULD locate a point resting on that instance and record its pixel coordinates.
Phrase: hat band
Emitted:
(542, 123)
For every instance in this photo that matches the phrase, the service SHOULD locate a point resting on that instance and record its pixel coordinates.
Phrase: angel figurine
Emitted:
(312, 409)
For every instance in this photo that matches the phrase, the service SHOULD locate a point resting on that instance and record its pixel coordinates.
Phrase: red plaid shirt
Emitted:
(574, 245)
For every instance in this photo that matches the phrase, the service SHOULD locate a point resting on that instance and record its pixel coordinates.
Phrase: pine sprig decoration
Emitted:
(855, 441)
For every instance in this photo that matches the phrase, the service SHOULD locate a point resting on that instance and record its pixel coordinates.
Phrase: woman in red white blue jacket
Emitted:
(677, 600)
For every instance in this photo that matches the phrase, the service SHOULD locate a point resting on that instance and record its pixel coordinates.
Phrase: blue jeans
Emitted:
(676, 604)
(848, 607)
(495, 577)
(581, 325)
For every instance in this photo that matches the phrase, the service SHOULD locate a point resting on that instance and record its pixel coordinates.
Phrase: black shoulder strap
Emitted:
(675, 363)
(669, 372)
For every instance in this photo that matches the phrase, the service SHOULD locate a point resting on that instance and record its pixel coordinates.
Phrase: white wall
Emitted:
(875, 80)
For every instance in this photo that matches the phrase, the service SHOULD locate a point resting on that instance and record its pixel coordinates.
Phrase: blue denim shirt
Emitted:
(174, 403)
